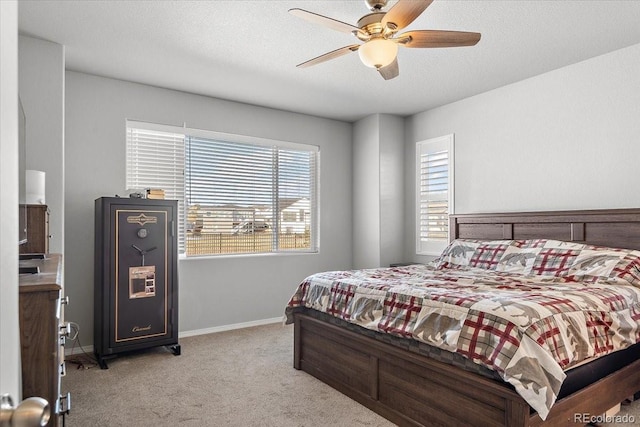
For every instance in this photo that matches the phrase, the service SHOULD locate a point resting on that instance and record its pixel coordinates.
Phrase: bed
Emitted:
(411, 382)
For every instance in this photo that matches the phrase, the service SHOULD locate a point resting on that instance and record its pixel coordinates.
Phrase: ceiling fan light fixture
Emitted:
(378, 52)
(377, 32)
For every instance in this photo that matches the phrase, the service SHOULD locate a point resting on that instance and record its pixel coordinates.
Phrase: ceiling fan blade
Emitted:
(390, 71)
(329, 55)
(404, 12)
(324, 20)
(438, 38)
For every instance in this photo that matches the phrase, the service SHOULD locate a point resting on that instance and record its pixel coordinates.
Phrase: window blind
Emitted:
(246, 195)
(155, 159)
(435, 190)
(249, 198)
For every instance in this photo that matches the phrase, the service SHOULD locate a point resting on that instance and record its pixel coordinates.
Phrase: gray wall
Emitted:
(391, 194)
(41, 77)
(213, 291)
(567, 139)
(366, 192)
(378, 191)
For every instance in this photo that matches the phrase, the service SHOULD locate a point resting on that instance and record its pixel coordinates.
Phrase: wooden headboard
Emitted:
(608, 227)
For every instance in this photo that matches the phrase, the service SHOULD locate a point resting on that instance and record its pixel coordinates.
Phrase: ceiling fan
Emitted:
(378, 30)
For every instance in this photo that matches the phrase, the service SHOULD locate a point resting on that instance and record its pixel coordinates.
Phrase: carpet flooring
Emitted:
(243, 378)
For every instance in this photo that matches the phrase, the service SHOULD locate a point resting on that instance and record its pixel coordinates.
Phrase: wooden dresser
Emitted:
(41, 335)
(37, 230)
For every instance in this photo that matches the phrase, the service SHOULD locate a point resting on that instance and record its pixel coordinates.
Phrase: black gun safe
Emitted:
(136, 276)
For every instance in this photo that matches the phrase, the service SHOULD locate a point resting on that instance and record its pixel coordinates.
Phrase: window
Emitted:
(236, 194)
(434, 188)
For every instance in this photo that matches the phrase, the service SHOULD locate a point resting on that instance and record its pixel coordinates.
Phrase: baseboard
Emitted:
(89, 348)
(225, 328)
(71, 351)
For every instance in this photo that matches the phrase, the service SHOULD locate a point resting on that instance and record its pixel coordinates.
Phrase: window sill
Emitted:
(183, 257)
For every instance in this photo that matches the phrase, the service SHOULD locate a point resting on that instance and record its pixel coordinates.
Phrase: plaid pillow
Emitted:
(457, 254)
(488, 254)
(577, 262)
(463, 253)
(554, 258)
(562, 261)
(599, 264)
(554, 262)
(518, 259)
(548, 243)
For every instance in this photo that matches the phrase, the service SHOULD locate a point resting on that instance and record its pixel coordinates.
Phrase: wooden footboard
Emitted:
(406, 388)
(412, 390)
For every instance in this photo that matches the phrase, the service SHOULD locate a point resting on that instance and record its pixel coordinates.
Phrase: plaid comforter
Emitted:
(528, 329)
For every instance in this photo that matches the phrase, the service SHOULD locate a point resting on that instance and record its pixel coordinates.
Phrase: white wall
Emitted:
(9, 333)
(567, 139)
(213, 291)
(41, 71)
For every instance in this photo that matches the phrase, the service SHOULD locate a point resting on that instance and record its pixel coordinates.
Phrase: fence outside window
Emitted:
(205, 243)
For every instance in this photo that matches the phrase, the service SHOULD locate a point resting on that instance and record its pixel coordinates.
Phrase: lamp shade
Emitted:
(378, 52)
(35, 185)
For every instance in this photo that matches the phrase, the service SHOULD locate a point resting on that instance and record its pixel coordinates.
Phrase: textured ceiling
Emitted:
(247, 50)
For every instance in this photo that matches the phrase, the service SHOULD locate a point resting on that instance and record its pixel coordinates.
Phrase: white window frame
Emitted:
(434, 247)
